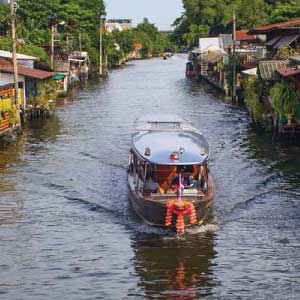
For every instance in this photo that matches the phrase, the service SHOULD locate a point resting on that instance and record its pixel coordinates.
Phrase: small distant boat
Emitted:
(190, 70)
(170, 184)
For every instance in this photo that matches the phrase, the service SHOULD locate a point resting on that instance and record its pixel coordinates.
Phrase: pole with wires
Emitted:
(14, 50)
(234, 59)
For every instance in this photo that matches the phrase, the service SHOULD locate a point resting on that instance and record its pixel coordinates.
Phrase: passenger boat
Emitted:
(170, 184)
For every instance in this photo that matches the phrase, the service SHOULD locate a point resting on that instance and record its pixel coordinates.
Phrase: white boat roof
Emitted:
(165, 135)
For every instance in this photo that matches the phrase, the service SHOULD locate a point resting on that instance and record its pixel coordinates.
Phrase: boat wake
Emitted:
(104, 162)
(207, 228)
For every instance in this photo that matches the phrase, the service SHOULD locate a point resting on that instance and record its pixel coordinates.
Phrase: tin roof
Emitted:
(7, 54)
(267, 69)
(285, 41)
(243, 35)
(167, 135)
(288, 71)
(6, 66)
(269, 27)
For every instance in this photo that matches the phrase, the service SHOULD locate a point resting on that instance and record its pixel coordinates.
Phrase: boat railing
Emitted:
(163, 126)
(168, 194)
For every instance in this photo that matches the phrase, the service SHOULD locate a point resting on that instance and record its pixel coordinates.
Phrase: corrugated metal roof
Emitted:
(273, 41)
(267, 69)
(7, 54)
(243, 35)
(269, 27)
(288, 71)
(6, 66)
(285, 41)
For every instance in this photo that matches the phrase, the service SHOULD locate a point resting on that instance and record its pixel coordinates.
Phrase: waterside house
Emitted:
(267, 70)
(28, 77)
(8, 117)
(280, 35)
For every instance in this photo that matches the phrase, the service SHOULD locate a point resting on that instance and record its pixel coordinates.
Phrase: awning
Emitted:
(58, 76)
(285, 41)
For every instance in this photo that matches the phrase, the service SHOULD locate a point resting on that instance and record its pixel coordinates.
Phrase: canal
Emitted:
(67, 230)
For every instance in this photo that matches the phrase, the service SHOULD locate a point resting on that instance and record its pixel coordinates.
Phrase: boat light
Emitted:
(181, 150)
(147, 151)
(202, 151)
(174, 156)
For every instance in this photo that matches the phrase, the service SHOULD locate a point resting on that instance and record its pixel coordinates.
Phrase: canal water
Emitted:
(67, 230)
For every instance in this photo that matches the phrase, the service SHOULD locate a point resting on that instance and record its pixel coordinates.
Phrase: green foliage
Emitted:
(4, 19)
(253, 91)
(286, 52)
(146, 34)
(80, 17)
(34, 19)
(153, 42)
(14, 116)
(194, 33)
(6, 106)
(5, 43)
(285, 10)
(228, 70)
(46, 95)
(211, 17)
(284, 99)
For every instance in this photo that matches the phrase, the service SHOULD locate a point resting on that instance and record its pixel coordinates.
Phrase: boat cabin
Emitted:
(167, 152)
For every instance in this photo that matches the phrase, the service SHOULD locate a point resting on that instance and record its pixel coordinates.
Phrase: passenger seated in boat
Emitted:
(151, 186)
(188, 181)
(175, 182)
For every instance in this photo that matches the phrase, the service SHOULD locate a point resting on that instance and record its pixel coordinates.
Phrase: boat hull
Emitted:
(153, 212)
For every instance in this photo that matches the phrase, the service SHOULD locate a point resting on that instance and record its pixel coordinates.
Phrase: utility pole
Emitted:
(67, 43)
(234, 59)
(14, 49)
(100, 51)
(80, 45)
(52, 45)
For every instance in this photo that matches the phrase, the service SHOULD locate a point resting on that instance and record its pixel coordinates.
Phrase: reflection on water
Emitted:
(171, 268)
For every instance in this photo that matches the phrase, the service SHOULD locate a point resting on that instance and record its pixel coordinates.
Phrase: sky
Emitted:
(160, 12)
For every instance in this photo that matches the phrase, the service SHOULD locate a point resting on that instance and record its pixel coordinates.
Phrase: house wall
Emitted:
(26, 63)
(9, 78)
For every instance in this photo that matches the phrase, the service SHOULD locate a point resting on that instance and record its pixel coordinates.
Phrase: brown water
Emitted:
(67, 230)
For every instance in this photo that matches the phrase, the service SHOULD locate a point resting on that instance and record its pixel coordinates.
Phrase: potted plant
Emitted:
(284, 100)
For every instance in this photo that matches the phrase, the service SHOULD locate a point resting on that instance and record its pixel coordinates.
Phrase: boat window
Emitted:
(185, 169)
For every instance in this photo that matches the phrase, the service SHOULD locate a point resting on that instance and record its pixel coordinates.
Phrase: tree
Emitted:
(285, 11)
